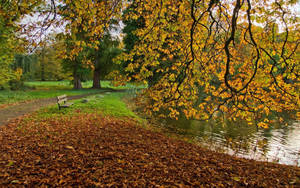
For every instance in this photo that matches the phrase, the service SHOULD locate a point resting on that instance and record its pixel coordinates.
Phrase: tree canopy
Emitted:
(10, 13)
(236, 57)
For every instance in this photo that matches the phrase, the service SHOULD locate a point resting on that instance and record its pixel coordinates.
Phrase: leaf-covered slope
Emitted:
(90, 150)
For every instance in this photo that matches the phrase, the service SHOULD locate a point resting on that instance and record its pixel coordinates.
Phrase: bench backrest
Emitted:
(62, 99)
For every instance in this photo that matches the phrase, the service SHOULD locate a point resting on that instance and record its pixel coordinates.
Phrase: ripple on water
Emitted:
(278, 144)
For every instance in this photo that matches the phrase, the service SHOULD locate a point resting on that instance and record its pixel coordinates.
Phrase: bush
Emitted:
(16, 84)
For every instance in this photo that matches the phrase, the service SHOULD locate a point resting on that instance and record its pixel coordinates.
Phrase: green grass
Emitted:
(65, 84)
(49, 89)
(8, 97)
(109, 104)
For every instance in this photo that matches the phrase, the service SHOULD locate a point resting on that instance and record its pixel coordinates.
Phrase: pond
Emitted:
(279, 143)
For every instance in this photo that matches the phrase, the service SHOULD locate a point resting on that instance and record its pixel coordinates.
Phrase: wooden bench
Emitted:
(62, 102)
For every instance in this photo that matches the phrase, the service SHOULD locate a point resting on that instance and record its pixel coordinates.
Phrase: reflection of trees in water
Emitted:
(237, 138)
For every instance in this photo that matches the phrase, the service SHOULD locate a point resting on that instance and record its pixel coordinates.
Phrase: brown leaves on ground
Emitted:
(94, 151)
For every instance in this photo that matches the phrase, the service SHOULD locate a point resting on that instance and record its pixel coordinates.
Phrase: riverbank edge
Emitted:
(121, 152)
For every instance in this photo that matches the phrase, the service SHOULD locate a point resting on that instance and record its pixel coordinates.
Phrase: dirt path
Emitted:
(16, 111)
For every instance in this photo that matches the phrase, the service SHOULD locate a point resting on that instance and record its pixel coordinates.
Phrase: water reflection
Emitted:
(279, 143)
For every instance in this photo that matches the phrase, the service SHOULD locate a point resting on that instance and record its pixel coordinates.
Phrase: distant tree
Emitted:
(44, 64)
(10, 13)
(103, 58)
(28, 63)
(49, 64)
(79, 65)
(79, 71)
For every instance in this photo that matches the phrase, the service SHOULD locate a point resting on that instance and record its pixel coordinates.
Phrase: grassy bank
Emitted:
(49, 89)
(107, 104)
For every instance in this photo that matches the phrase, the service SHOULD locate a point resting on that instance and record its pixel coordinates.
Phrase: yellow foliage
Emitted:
(196, 59)
(263, 125)
(200, 53)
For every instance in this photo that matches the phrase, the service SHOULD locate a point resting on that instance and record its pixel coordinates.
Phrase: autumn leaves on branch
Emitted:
(238, 58)
(201, 58)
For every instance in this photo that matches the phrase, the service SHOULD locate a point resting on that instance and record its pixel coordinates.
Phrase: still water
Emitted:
(279, 143)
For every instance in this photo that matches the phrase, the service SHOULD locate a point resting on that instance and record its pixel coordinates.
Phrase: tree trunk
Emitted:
(96, 79)
(43, 66)
(43, 72)
(76, 76)
(77, 82)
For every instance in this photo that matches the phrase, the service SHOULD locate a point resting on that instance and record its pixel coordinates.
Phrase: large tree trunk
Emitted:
(77, 82)
(96, 79)
(76, 76)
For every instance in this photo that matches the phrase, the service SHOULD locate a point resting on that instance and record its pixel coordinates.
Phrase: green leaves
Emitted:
(10, 163)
